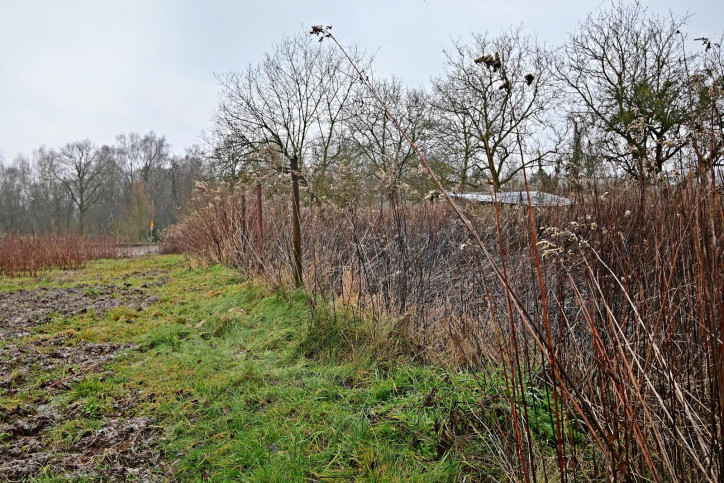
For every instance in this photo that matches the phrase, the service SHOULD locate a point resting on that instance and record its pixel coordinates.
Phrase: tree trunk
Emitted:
(296, 227)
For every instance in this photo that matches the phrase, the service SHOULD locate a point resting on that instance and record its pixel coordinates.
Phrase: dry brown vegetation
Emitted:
(30, 255)
(610, 331)
(594, 333)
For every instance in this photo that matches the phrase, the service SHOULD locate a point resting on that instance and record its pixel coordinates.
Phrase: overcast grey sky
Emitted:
(75, 69)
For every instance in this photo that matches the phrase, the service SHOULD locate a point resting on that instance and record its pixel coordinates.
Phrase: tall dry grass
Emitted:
(29, 255)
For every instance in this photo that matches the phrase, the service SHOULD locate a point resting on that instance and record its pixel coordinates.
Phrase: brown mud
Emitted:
(23, 309)
(44, 433)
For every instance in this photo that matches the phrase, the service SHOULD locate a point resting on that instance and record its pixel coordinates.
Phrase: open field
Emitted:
(148, 369)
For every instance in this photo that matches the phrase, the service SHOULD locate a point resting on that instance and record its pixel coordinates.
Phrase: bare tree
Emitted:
(108, 214)
(707, 112)
(229, 159)
(455, 137)
(15, 183)
(496, 92)
(293, 95)
(80, 167)
(624, 68)
(333, 114)
(183, 172)
(380, 147)
(129, 155)
(142, 156)
(51, 205)
(175, 186)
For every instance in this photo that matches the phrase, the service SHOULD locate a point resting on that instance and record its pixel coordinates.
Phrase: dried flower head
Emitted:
(432, 195)
(490, 61)
(321, 31)
(496, 63)
(705, 42)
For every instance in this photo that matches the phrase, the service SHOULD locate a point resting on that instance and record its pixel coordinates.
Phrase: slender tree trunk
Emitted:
(296, 227)
(81, 214)
(259, 224)
(243, 214)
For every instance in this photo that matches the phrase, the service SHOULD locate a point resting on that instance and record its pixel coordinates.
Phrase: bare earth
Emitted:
(123, 447)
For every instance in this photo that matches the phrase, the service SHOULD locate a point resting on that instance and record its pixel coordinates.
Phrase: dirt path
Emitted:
(45, 424)
(139, 250)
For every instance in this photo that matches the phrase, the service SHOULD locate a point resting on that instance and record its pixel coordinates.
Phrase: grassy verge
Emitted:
(224, 367)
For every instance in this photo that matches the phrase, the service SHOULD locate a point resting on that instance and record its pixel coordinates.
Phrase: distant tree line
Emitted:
(88, 189)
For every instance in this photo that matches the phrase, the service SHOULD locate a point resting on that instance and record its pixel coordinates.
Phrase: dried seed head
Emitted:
(321, 31)
(705, 42)
(529, 78)
(487, 59)
(432, 195)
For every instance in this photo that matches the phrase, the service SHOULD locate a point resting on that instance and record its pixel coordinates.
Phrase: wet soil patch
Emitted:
(19, 363)
(160, 277)
(124, 448)
(24, 309)
(45, 433)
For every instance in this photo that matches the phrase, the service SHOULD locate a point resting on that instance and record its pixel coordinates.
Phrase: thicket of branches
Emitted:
(596, 348)
(22, 255)
(626, 96)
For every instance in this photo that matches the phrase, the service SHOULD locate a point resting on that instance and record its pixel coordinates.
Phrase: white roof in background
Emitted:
(537, 198)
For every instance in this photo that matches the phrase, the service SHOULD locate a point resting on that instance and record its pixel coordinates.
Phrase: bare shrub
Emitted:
(25, 255)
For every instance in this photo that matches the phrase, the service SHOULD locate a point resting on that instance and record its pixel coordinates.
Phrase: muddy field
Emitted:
(24, 309)
(41, 369)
